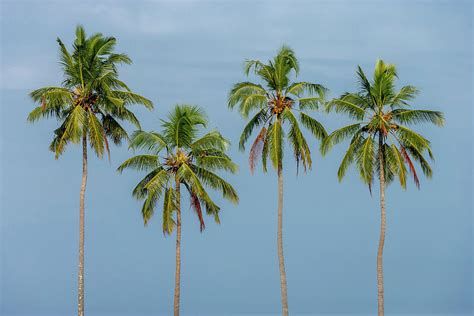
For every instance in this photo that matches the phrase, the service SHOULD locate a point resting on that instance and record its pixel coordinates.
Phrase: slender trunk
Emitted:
(281, 258)
(178, 249)
(380, 291)
(80, 288)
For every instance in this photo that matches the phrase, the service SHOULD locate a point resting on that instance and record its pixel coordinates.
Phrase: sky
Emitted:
(193, 52)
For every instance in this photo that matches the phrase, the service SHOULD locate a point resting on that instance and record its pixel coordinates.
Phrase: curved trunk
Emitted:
(178, 249)
(80, 289)
(281, 258)
(380, 291)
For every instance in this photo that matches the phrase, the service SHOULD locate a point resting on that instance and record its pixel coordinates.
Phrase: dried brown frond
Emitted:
(410, 165)
(196, 205)
(256, 149)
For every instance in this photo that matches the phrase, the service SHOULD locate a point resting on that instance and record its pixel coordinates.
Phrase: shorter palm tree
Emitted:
(381, 143)
(177, 156)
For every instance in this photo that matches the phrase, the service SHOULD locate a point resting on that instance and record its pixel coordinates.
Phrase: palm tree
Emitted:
(178, 155)
(88, 105)
(381, 142)
(276, 102)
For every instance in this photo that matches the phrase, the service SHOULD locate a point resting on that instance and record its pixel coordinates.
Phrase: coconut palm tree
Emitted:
(278, 101)
(88, 106)
(381, 142)
(178, 157)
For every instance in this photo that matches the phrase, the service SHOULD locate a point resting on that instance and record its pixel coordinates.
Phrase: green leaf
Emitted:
(140, 163)
(338, 136)
(255, 122)
(365, 160)
(418, 116)
(316, 128)
(275, 139)
(169, 207)
(300, 147)
(96, 135)
(350, 104)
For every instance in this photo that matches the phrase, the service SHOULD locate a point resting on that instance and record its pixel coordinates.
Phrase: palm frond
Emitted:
(217, 183)
(169, 207)
(256, 148)
(211, 141)
(140, 163)
(300, 147)
(350, 155)
(338, 136)
(405, 116)
(300, 88)
(316, 128)
(96, 135)
(275, 144)
(365, 160)
(256, 121)
(351, 104)
(150, 141)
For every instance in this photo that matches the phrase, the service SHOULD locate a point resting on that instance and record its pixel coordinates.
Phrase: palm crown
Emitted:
(382, 112)
(275, 103)
(178, 153)
(91, 99)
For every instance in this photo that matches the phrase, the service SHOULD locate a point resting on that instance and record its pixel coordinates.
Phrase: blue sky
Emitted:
(192, 52)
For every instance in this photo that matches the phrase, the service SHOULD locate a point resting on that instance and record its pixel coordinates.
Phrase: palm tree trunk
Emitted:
(178, 249)
(80, 311)
(380, 290)
(281, 258)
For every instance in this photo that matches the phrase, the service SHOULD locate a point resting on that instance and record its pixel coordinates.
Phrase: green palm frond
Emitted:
(181, 126)
(128, 97)
(351, 104)
(97, 136)
(299, 88)
(338, 136)
(139, 163)
(418, 156)
(248, 95)
(399, 165)
(186, 174)
(215, 160)
(408, 138)
(169, 207)
(159, 182)
(148, 207)
(265, 147)
(405, 116)
(298, 143)
(311, 103)
(316, 128)
(212, 140)
(350, 155)
(365, 160)
(140, 192)
(113, 129)
(217, 183)
(275, 144)
(404, 95)
(259, 118)
(150, 141)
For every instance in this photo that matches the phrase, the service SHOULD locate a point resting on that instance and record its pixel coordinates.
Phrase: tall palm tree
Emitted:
(381, 142)
(179, 156)
(88, 105)
(278, 101)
